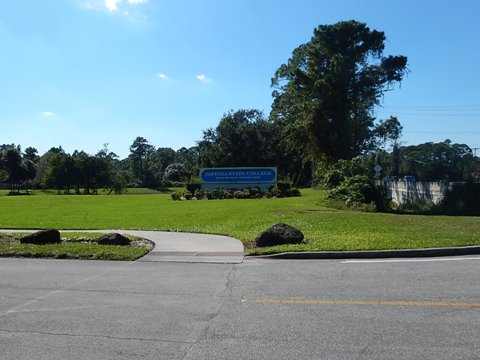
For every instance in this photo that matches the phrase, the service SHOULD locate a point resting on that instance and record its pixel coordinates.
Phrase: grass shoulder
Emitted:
(73, 246)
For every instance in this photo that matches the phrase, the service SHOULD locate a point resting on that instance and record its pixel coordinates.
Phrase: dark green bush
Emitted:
(332, 179)
(193, 187)
(209, 194)
(238, 194)
(255, 191)
(358, 191)
(284, 186)
(295, 192)
(462, 199)
(178, 195)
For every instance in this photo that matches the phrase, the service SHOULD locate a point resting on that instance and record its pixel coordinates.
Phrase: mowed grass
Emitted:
(324, 229)
(73, 251)
(73, 246)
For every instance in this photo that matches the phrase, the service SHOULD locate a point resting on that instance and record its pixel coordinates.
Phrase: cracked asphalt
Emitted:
(259, 309)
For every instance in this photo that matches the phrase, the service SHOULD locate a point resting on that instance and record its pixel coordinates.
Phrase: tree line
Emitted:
(81, 172)
(322, 115)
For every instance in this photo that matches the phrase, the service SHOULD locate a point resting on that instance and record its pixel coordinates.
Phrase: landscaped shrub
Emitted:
(246, 193)
(284, 186)
(209, 194)
(331, 179)
(238, 194)
(255, 191)
(276, 192)
(193, 187)
(220, 193)
(178, 195)
(462, 199)
(197, 194)
(295, 192)
(358, 192)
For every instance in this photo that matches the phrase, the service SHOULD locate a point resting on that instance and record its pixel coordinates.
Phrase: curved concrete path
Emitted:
(181, 247)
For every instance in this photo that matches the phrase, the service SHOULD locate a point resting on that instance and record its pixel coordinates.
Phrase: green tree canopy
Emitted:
(325, 95)
(438, 161)
(245, 138)
(140, 151)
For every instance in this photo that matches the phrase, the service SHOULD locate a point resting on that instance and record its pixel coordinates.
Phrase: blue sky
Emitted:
(81, 73)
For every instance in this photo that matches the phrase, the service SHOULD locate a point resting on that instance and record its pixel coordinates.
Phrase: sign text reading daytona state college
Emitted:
(239, 175)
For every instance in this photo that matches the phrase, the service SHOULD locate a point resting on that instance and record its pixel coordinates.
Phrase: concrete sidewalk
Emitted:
(181, 247)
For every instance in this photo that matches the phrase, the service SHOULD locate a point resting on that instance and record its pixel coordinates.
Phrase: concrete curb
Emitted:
(375, 254)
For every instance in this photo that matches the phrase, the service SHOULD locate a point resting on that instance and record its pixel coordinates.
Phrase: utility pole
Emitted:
(475, 151)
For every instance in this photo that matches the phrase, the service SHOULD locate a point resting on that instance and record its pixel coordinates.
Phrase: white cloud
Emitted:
(120, 6)
(162, 76)
(47, 113)
(203, 78)
(112, 5)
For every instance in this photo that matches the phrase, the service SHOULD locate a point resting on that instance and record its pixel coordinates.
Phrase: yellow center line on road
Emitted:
(368, 302)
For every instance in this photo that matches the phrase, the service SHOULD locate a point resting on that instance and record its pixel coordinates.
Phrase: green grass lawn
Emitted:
(79, 245)
(324, 229)
(73, 251)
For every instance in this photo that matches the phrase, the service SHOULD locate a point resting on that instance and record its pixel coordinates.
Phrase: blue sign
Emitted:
(238, 175)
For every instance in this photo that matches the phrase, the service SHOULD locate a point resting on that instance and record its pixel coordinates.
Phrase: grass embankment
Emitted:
(324, 229)
(73, 246)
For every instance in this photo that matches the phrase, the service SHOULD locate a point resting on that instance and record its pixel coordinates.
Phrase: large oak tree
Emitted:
(325, 95)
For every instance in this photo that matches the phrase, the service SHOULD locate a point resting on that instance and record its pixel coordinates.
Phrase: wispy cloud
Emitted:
(203, 78)
(162, 76)
(111, 5)
(47, 113)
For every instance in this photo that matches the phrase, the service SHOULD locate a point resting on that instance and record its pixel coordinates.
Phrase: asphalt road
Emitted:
(261, 309)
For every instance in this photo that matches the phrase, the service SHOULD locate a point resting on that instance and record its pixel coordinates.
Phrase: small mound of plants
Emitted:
(194, 192)
(357, 192)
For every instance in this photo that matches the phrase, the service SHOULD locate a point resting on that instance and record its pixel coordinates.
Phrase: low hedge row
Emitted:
(194, 193)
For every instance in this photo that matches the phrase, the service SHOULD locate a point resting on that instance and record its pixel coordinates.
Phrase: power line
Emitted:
(475, 107)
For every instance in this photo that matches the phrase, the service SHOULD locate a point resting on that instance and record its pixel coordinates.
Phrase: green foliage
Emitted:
(175, 172)
(332, 175)
(417, 207)
(324, 228)
(238, 194)
(197, 193)
(245, 138)
(73, 251)
(325, 94)
(140, 152)
(209, 194)
(358, 192)
(462, 199)
(15, 169)
(438, 161)
(193, 187)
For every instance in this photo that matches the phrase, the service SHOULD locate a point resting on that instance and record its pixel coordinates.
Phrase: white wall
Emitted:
(412, 191)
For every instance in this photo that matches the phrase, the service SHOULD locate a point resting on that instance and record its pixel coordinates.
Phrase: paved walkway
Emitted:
(182, 247)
